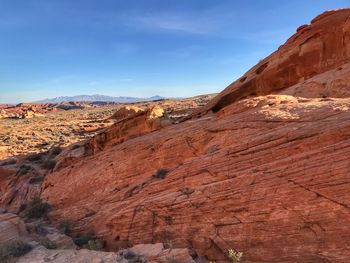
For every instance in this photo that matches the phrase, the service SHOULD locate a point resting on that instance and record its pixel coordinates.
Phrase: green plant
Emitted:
(49, 164)
(44, 241)
(65, 228)
(82, 239)
(94, 245)
(37, 208)
(9, 161)
(36, 179)
(161, 173)
(35, 157)
(88, 241)
(55, 151)
(23, 169)
(12, 250)
(171, 260)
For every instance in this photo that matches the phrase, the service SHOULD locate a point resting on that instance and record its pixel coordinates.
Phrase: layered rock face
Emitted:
(131, 124)
(265, 175)
(322, 46)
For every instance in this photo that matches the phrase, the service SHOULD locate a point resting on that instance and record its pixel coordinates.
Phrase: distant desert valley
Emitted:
(259, 172)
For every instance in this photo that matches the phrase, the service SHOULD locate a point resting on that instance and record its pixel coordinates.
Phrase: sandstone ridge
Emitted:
(322, 46)
(263, 168)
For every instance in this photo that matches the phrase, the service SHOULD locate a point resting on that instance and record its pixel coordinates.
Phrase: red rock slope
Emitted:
(267, 175)
(322, 46)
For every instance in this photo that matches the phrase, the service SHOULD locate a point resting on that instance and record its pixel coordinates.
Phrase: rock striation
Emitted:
(262, 169)
(266, 175)
(323, 46)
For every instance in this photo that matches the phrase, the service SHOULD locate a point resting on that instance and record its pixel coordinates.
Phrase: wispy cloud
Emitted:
(125, 49)
(184, 52)
(169, 22)
(201, 22)
(64, 78)
(271, 37)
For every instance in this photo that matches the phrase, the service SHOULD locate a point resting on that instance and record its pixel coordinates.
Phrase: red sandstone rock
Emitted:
(322, 46)
(125, 112)
(132, 126)
(12, 228)
(259, 176)
(267, 176)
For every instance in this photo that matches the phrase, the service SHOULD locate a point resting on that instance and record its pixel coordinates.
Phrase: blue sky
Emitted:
(141, 48)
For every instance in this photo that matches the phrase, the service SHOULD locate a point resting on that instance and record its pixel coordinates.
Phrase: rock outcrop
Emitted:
(130, 126)
(48, 244)
(267, 176)
(256, 171)
(321, 47)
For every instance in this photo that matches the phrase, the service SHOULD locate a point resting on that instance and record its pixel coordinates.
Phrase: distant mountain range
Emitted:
(98, 97)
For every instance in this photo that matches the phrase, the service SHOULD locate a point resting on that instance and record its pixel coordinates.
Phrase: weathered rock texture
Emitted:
(266, 175)
(323, 46)
(12, 228)
(131, 126)
(147, 253)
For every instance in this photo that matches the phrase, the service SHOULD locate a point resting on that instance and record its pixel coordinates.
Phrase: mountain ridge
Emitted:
(98, 97)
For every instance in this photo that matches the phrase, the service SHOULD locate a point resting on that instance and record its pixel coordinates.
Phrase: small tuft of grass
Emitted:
(23, 169)
(9, 161)
(94, 244)
(13, 250)
(65, 227)
(35, 157)
(55, 151)
(161, 173)
(47, 243)
(82, 239)
(36, 179)
(171, 260)
(88, 241)
(37, 208)
(49, 164)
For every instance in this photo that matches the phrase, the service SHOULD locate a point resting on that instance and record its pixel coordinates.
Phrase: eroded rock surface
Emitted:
(323, 46)
(260, 176)
(131, 126)
(258, 171)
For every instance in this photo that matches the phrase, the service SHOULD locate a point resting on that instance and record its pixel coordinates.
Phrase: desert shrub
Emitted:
(36, 179)
(94, 244)
(8, 162)
(88, 241)
(13, 250)
(65, 228)
(171, 260)
(49, 164)
(23, 169)
(37, 208)
(44, 241)
(55, 151)
(82, 239)
(35, 157)
(161, 173)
